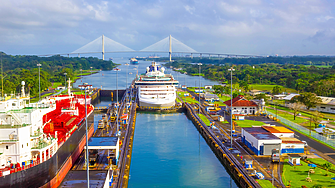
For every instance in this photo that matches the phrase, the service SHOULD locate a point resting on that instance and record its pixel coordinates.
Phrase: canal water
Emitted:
(107, 79)
(168, 150)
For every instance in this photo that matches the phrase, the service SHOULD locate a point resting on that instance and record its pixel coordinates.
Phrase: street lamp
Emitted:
(65, 79)
(231, 106)
(127, 64)
(185, 89)
(85, 87)
(91, 69)
(199, 83)
(117, 103)
(39, 81)
(81, 75)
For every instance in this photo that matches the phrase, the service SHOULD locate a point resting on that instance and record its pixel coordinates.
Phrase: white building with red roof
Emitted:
(242, 106)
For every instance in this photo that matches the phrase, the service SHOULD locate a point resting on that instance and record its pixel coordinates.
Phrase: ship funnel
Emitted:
(22, 89)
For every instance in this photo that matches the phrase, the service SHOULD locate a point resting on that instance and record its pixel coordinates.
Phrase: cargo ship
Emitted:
(133, 61)
(156, 89)
(40, 141)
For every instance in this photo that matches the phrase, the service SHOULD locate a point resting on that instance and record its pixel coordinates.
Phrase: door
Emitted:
(269, 147)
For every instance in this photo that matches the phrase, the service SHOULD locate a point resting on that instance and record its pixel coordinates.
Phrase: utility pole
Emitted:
(170, 48)
(39, 81)
(103, 48)
(199, 84)
(231, 106)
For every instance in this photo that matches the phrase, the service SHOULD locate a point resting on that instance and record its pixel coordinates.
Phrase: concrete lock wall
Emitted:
(108, 93)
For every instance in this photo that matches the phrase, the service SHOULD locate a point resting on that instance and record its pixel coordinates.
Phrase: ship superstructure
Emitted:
(38, 134)
(155, 88)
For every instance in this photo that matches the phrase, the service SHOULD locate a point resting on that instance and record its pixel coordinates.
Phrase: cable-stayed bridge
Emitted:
(169, 45)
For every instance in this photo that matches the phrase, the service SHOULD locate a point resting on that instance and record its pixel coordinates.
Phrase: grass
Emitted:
(265, 183)
(270, 87)
(320, 161)
(298, 120)
(204, 119)
(189, 99)
(33, 100)
(248, 123)
(56, 84)
(296, 175)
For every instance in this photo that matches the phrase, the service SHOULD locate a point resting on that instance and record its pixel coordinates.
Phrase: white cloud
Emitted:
(257, 26)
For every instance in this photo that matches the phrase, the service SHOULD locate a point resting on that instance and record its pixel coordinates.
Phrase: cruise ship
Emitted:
(155, 88)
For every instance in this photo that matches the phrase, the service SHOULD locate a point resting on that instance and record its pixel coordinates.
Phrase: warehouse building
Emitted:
(262, 140)
(279, 131)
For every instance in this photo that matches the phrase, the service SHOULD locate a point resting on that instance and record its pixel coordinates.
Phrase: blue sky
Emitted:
(258, 27)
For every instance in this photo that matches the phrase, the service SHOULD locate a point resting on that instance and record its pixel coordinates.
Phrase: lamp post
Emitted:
(185, 88)
(39, 81)
(127, 64)
(85, 86)
(117, 103)
(91, 69)
(81, 75)
(199, 84)
(65, 79)
(231, 106)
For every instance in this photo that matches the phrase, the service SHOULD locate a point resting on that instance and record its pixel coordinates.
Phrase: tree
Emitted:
(296, 108)
(276, 90)
(218, 89)
(327, 166)
(309, 99)
(316, 118)
(262, 96)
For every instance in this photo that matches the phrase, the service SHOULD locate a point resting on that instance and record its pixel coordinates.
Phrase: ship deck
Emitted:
(77, 178)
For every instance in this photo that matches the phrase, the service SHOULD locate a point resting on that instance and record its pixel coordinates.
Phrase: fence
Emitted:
(304, 130)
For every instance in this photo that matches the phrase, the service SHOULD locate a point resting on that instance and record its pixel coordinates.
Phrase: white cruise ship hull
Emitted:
(157, 103)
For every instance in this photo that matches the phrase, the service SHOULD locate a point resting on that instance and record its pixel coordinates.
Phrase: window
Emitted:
(6, 147)
(332, 108)
(322, 107)
(13, 104)
(22, 145)
(27, 144)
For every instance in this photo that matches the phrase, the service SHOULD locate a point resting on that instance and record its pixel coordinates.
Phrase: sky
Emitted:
(255, 27)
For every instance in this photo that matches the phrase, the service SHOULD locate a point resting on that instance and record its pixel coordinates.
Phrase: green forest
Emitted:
(304, 78)
(24, 68)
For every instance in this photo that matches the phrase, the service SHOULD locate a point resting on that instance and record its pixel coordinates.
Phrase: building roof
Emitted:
(290, 96)
(276, 129)
(289, 140)
(260, 134)
(267, 136)
(294, 155)
(240, 101)
(208, 95)
(327, 100)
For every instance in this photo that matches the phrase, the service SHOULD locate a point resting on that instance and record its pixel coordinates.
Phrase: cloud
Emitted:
(236, 26)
